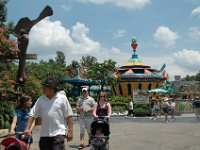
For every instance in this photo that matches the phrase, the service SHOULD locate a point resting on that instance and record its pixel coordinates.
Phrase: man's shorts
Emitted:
(85, 123)
(166, 110)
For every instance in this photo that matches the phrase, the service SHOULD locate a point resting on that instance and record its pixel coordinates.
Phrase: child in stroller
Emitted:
(100, 134)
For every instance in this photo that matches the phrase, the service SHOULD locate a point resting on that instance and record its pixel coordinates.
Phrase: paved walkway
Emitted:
(144, 134)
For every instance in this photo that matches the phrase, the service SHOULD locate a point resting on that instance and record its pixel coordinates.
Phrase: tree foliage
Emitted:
(3, 12)
(60, 59)
(74, 64)
(88, 61)
(192, 78)
(102, 72)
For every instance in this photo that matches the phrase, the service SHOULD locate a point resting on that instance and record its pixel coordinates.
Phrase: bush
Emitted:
(142, 110)
(118, 99)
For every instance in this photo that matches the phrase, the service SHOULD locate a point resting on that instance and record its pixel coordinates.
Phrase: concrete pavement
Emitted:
(144, 134)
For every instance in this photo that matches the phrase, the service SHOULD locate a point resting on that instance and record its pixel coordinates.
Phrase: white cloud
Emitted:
(119, 33)
(165, 37)
(115, 51)
(128, 4)
(95, 1)
(132, 4)
(196, 11)
(48, 37)
(194, 32)
(175, 65)
(86, 45)
(188, 60)
(66, 7)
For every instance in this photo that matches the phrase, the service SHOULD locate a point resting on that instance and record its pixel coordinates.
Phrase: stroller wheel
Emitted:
(107, 146)
(92, 148)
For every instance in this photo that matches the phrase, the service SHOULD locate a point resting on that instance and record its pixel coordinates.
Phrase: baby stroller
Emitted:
(12, 143)
(100, 134)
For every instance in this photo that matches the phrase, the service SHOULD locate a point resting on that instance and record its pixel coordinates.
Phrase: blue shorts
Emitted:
(166, 110)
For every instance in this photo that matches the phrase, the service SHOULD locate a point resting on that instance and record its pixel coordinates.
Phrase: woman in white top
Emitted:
(172, 105)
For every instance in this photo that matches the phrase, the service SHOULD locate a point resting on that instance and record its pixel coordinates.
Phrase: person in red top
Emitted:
(102, 107)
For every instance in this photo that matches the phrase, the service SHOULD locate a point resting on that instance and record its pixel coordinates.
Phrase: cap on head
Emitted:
(49, 83)
(84, 89)
(166, 99)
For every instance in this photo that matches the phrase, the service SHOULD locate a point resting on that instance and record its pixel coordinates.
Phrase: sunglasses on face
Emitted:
(102, 96)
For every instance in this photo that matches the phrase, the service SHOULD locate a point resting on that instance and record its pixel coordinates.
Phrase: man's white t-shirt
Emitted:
(86, 103)
(53, 113)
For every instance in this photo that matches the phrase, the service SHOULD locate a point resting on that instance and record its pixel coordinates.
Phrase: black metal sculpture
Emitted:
(21, 31)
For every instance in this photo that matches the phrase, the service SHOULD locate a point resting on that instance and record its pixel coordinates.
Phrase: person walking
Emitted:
(102, 107)
(152, 108)
(165, 107)
(56, 114)
(172, 109)
(85, 106)
(196, 107)
(20, 118)
(156, 110)
(130, 108)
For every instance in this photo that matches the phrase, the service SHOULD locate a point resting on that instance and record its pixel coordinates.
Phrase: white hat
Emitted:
(84, 89)
(166, 99)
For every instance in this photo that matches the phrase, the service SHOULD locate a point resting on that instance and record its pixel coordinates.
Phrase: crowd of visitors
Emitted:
(56, 114)
(165, 105)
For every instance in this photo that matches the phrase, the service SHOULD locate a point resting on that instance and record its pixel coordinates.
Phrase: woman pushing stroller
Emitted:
(102, 107)
(100, 129)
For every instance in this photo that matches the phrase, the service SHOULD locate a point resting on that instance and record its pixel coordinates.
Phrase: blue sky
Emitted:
(167, 31)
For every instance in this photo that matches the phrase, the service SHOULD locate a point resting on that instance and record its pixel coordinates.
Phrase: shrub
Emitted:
(142, 110)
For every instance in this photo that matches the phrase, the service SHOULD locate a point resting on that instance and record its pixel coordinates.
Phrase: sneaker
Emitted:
(154, 119)
(150, 118)
(81, 146)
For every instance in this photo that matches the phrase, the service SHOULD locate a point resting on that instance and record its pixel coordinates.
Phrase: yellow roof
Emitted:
(135, 64)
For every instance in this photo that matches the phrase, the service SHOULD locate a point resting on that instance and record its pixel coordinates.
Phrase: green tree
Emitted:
(43, 70)
(197, 78)
(60, 59)
(102, 72)
(74, 64)
(88, 60)
(192, 78)
(3, 12)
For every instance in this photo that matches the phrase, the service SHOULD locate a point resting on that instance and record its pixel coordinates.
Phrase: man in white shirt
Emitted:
(85, 106)
(56, 114)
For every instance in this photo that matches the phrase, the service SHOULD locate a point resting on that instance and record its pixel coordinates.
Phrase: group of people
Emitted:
(56, 115)
(167, 106)
(87, 108)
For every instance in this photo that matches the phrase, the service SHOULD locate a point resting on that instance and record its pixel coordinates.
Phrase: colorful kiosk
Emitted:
(136, 77)
(79, 78)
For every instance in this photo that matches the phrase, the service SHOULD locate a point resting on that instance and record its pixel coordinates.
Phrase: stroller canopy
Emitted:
(100, 124)
(13, 143)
